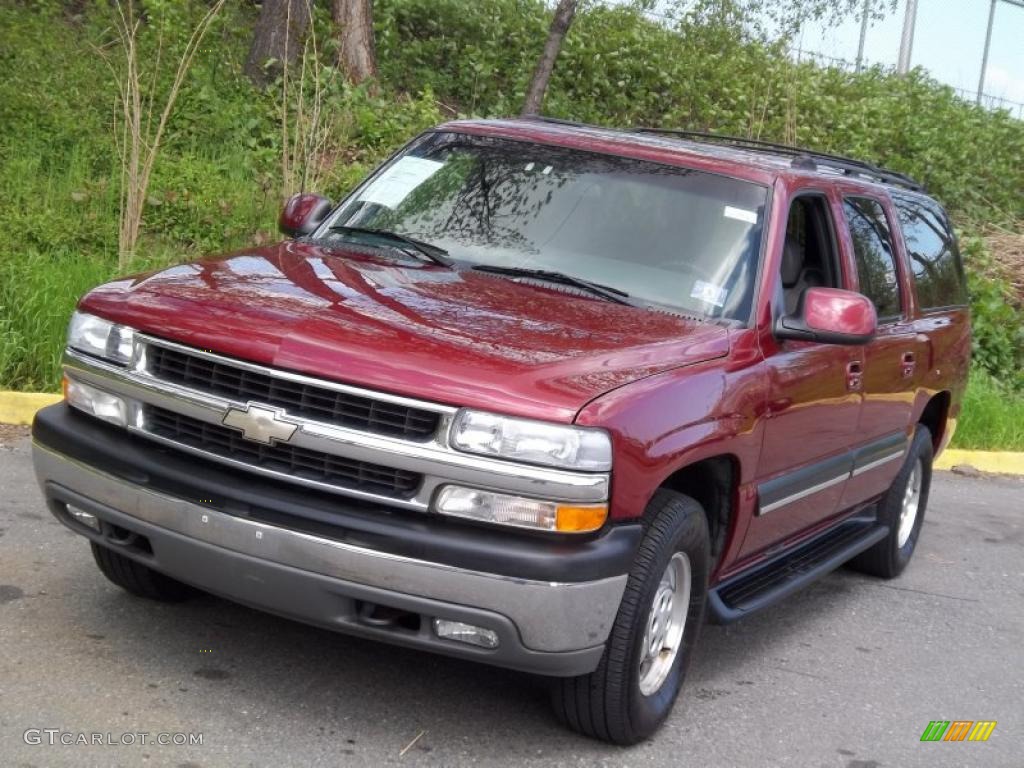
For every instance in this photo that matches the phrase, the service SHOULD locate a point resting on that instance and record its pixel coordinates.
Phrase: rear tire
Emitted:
(902, 509)
(139, 579)
(633, 689)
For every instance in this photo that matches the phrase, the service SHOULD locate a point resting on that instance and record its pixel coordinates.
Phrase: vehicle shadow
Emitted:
(358, 691)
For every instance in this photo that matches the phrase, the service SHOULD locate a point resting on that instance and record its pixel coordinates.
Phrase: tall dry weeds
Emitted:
(1006, 244)
(307, 126)
(139, 135)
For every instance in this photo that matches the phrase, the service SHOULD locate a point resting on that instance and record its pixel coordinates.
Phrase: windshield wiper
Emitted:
(604, 291)
(424, 250)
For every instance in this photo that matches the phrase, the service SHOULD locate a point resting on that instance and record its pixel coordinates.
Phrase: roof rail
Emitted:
(804, 159)
(558, 121)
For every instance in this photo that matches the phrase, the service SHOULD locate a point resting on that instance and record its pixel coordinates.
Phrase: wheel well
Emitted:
(934, 417)
(712, 482)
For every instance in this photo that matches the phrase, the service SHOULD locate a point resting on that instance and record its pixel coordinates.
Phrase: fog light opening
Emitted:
(461, 632)
(125, 539)
(386, 617)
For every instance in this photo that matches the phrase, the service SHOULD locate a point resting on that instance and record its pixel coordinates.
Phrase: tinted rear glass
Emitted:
(933, 253)
(872, 245)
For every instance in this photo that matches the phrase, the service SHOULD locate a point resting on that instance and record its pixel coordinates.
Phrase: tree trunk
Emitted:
(277, 38)
(356, 56)
(564, 14)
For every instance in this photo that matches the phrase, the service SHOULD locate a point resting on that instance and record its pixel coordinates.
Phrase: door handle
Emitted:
(907, 364)
(854, 376)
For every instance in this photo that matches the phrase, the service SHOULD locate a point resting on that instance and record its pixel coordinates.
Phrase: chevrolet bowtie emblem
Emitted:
(262, 425)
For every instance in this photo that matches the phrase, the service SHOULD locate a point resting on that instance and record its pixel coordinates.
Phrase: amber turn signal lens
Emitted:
(64, 386)
(518, 511)
(580, 519)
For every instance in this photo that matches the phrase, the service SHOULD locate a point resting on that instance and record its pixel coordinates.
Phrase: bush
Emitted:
(997, 324)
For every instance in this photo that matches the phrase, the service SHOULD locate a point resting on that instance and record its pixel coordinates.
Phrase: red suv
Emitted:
(535, 394)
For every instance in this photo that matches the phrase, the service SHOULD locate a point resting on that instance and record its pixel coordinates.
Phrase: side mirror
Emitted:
(302, 214)
(830, 316)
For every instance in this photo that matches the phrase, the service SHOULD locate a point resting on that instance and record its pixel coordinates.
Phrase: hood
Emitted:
(453, 336)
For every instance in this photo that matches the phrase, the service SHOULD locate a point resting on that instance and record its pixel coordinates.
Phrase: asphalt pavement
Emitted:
(848, 673)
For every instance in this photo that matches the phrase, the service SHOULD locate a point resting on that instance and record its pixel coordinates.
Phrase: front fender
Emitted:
(666, 422)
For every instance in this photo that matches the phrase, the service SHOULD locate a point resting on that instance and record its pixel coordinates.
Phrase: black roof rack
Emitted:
(804, 159)
(561, 121)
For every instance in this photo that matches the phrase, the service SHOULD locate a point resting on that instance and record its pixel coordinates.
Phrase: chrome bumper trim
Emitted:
(434, 460)
(550, 616)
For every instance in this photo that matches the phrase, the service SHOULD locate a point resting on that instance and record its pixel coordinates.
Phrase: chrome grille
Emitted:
(297, 398)
(300, 463)
(398, 472)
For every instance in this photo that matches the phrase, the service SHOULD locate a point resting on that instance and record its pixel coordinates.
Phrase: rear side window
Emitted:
(872, 245)
(934, 256)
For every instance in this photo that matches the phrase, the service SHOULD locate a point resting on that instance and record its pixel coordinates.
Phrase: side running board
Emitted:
(767, 583)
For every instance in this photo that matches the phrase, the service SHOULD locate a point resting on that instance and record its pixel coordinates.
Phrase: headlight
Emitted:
(534, 442)
(102, 338)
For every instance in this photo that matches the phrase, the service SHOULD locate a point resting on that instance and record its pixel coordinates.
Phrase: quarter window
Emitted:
(934, 256)
(872, 245)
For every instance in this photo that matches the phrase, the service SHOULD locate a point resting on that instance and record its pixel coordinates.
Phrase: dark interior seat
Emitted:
(797, 274)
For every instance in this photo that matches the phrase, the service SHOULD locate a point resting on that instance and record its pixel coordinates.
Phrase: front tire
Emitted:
(137, 578)
(902, 509)
(633, 689)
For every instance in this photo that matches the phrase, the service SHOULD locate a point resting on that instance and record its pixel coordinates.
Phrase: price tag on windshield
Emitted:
(395, 184)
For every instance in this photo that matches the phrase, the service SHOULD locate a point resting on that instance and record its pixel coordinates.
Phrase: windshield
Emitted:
(666, 235)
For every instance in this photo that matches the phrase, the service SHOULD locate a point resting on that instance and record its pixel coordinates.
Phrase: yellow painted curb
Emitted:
(21, 407)
(1001, 462)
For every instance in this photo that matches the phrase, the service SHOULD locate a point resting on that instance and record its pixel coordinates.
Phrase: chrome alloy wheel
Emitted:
(663, 634)
(911, 503)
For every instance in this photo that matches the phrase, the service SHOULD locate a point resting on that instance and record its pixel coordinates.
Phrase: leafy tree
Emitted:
(769, 19)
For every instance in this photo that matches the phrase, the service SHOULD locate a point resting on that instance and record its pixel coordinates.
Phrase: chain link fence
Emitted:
(1015, 108)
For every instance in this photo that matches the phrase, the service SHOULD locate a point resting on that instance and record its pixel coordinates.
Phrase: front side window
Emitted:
(809, 254)
(934, 256)
(666, 236)
(872, 246)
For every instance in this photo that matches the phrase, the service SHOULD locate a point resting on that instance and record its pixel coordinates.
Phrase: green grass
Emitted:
(992, 418)
(37, 295)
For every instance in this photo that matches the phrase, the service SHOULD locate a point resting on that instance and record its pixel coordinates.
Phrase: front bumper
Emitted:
(547, 627)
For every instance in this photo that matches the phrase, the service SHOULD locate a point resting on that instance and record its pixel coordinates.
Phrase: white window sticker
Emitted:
(395, 184)
(709, 293)
(740, 214)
